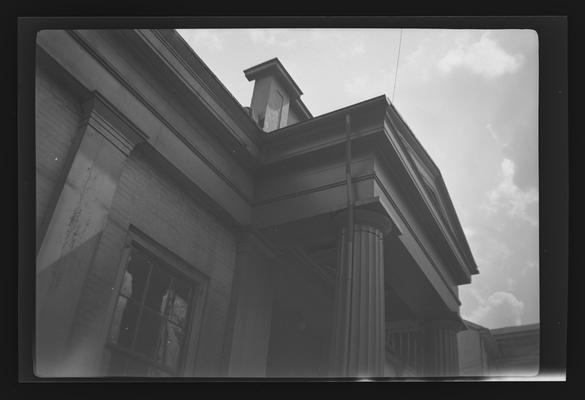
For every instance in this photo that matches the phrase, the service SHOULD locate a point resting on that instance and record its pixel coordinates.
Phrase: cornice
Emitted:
(307, 147)
(142, 99)
(418, 181)
(412, 140)
(438, 184)
(416, 238)
(321, 132)
(278, 71)
(228, 103)
(415, 186)
(310, 125)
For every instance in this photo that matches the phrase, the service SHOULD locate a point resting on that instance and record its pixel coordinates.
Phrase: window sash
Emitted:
(168, 318)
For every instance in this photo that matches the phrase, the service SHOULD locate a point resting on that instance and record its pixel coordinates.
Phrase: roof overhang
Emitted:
(196, 85)
(274, 68)
(377, 125)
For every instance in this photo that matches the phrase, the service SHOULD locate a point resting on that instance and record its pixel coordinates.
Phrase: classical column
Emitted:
(358, 340)
(74, 231)
(441, 354)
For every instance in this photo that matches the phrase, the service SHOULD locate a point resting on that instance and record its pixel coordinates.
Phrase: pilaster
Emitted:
(247, 339)
(74, 232)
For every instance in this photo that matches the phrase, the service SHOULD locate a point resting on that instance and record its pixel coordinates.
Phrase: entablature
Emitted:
(199, 88)
(374, 132)
(94, 65)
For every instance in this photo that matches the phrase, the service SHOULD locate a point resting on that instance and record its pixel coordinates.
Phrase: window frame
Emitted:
(137, 240)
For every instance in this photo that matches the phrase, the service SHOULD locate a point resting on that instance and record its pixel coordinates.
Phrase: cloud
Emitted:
(510, 198)
(203, 37)
(528, 266)
(469, 232)
(490, 251)
(344, 43)
(271, 37)
(368, 85)
(459, 50)
(358, 86)
(353, 49)
(476, 295)
(500, 309)
(419, 62)
(497, 249)
(511, 283)
(484, 57)
(496, 136)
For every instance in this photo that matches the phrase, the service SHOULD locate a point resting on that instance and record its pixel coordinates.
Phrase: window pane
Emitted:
(158, 294)
(135, 276)
(170, 345)
(124, 332)
(148, 333)
(180, 305)
(150, 318)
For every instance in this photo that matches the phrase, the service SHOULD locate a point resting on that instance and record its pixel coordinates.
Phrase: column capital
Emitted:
(366, 217)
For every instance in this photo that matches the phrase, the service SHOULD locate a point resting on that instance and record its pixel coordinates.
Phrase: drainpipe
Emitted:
(349, 187)
(350, 217)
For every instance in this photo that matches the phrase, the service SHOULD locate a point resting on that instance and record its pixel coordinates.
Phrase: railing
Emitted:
(404, 347)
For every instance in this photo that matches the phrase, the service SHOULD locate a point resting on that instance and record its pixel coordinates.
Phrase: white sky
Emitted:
(470, 97)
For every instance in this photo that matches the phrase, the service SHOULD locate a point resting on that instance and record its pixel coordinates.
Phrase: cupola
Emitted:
(276, 100)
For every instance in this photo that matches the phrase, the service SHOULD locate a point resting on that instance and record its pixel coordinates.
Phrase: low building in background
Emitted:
(509, 351)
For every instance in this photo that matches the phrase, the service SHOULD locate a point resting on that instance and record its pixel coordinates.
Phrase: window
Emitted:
(151, 318)
(279, 108)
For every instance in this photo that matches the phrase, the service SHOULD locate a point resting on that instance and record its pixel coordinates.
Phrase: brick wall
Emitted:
(58, 115)
(153, 202)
